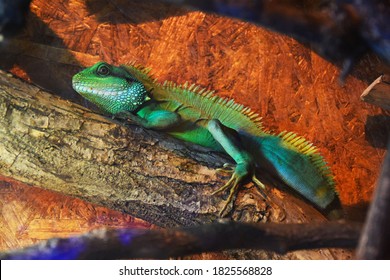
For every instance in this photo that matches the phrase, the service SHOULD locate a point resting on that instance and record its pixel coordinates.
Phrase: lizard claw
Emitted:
(232, 184)
(258, 182)
(226, 186)
(227, 168)
(240, 174)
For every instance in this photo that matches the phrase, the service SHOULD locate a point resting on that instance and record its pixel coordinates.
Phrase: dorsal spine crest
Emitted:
(191, 95)
(307, 148)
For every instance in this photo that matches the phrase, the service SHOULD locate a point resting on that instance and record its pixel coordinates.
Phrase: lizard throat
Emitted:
(111, 99)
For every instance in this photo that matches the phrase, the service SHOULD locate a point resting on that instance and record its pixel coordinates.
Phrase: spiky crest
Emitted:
(307, 148)
(232, 114)
(142, 74)
(226, 110)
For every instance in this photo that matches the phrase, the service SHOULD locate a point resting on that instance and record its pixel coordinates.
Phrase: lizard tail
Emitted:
(299, 165)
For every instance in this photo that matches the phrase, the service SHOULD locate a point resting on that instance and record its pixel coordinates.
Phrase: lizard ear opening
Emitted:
(130, 80)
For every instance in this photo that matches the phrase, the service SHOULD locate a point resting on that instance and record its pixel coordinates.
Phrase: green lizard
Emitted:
(197, 115)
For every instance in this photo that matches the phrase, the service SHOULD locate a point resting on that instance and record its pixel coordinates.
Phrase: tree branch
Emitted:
(55, 144)
(374, 242)
(162, 244)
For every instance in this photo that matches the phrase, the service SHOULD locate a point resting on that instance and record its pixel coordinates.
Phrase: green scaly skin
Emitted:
(196, 115)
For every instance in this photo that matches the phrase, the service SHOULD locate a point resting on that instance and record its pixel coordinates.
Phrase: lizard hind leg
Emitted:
(235, 181)
(243, 171)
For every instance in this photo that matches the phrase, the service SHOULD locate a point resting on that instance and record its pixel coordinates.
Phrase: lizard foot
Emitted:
(240, 175)
(227, 168)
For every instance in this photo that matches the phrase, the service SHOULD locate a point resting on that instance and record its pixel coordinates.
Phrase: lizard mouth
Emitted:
(83, 88)
(80, 88)
(76, 84)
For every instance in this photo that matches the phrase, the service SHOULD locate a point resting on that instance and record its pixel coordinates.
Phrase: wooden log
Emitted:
(61, 146)
(58, 145)
(64, 147)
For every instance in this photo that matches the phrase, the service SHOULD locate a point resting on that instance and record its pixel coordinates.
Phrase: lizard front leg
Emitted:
(245, 167)
(156, 120)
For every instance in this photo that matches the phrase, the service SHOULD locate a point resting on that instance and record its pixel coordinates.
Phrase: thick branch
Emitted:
(374, 242)
(162, 244)
(60, 146)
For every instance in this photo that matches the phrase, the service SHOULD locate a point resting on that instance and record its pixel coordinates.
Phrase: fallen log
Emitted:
(60, 146)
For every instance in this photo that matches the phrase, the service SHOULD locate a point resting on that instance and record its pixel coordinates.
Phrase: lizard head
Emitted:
(111, 88)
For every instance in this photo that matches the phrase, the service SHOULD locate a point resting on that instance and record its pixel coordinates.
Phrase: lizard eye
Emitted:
(103, 70)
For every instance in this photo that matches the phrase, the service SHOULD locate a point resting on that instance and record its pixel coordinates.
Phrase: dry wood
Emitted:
(378, 93)
(162, 244)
